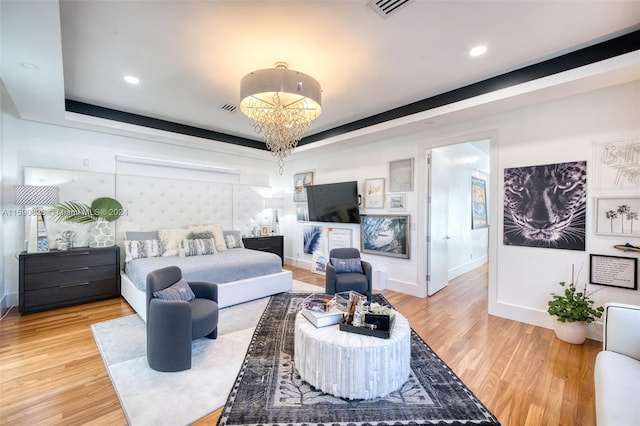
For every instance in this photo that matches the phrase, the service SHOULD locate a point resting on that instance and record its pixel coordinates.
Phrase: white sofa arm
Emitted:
(622, 329)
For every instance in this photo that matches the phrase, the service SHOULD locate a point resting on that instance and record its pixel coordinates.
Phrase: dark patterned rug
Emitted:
(269, 391)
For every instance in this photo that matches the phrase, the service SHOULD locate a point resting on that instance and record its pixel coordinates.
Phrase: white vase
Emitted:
(571, 332)
(101, 234)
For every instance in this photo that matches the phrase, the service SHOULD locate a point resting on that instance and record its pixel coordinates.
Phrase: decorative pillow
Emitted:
(233, 241)
(178, 291)
(199, 235)
(218, 235)
(170, 239)
(347, 265)
(142, 235)
(137, 249)
(197, 247)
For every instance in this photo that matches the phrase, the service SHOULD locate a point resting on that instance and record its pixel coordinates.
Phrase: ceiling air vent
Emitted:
(228, 107)
(386, 8)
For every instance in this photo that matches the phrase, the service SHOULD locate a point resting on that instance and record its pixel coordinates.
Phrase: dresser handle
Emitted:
(75, 269)
(75, 253)
(75, 284)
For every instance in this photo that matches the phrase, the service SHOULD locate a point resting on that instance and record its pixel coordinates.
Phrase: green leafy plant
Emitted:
(104, 208)
(573, 305)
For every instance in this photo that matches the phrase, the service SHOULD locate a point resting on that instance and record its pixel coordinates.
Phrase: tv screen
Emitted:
(334, 202)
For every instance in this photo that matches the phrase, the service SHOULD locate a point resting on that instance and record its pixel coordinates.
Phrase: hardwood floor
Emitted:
(52, 373)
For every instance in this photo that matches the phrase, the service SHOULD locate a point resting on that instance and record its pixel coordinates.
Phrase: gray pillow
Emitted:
(233, 239)
(347, 265)
(204, 235)
(178, 291)
(142, 235)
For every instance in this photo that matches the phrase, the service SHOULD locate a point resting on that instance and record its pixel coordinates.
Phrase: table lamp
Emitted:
(36, 196)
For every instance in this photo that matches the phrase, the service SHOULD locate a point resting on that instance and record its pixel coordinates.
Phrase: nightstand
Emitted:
(62, 278)
(270, 243)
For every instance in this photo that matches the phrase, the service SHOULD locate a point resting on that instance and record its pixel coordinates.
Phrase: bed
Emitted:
(241, 274)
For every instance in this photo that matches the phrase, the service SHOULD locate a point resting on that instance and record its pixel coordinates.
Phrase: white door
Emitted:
(437, 219)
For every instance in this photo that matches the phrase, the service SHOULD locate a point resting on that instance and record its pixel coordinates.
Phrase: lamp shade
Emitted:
(31, 195)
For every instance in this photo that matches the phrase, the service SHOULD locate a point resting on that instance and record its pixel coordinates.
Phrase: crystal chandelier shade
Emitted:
(280, 104)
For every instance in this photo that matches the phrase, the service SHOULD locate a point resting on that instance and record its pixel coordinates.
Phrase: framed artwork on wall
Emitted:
(302, 212)
(338, 238)
(614, 271)
(386, 235)
(401, 175)
(528, 206)
(478, 203)
(374, 193)
(312, 238)
(617, 216)
(300, 183)
(617, 164)
(398, 201)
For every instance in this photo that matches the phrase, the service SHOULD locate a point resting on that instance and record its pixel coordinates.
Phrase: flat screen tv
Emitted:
(334, 202)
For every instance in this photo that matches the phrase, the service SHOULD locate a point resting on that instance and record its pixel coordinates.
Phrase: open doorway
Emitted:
(456, 216)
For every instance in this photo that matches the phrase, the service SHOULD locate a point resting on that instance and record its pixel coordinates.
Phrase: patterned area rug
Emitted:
(269, 390)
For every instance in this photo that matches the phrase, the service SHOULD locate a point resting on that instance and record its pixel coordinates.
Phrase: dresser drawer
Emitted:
(69, 276)
(69, 294)
(61, 278)
(71, 260)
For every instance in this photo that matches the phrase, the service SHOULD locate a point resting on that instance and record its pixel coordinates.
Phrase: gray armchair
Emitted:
(173, 324)
(337, 282)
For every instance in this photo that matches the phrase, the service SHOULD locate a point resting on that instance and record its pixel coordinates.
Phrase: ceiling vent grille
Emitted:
(228, 107)
(386, 8)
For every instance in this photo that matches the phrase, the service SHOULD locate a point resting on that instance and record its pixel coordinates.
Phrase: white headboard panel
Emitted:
(153, 203)
(249, 207)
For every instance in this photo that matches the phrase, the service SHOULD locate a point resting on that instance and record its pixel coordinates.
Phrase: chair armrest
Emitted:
(169, 315)
(330, 279)
(622, 329)
(205, 290)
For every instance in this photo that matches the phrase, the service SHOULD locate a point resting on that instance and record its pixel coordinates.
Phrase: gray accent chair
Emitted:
(346, 281)
(173, 324)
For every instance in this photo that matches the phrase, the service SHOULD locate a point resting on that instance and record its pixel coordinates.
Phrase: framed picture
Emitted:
(478, 203)
(374, 193)
(302, 212)
(319, 263)
(338, 238)
(401, 175)
(312, 239)
(530, 217)
(300, 183)
(398, 201)
(616, 164)
(264, 230)
(614, 271)
(386, 235)
(618, 216)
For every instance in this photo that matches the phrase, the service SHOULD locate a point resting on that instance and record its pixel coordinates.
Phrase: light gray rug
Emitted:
(150, 397)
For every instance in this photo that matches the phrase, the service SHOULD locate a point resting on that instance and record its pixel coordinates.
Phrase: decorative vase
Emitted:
(571, 332)
(101, 234)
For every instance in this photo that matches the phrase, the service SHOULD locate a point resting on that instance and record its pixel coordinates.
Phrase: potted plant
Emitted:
(573, 311)
(101, 211)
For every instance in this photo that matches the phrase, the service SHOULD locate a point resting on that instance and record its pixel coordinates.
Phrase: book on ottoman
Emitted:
(323, 319)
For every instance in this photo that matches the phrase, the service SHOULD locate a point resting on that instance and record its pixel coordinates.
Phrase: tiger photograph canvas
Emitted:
(545, 206)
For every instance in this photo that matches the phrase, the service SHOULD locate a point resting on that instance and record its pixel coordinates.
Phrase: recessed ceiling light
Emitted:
(478, 50)
(131, 79)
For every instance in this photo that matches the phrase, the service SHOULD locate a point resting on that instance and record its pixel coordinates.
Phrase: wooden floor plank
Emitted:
(51, 371)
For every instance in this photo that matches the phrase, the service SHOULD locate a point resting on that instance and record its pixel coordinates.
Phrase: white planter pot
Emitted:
(571, 332)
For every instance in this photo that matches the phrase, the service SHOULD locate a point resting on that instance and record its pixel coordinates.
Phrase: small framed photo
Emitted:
(374, 193)
(398, 201)
(264, 230)
(618, 216)
(614, 271)
(300, 183)
(401, 175)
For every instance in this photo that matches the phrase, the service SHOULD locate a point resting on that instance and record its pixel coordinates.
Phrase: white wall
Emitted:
(521, 278)
(31, 144)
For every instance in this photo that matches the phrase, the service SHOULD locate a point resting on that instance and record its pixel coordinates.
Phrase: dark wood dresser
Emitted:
(62, 278)
(270, 243)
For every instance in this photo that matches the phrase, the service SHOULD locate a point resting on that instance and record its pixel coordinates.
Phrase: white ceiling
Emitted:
(191, 55)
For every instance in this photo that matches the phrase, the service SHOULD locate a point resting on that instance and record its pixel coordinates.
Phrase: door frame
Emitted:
(492, 136)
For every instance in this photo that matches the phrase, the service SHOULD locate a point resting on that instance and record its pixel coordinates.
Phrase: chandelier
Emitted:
(280, 104)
